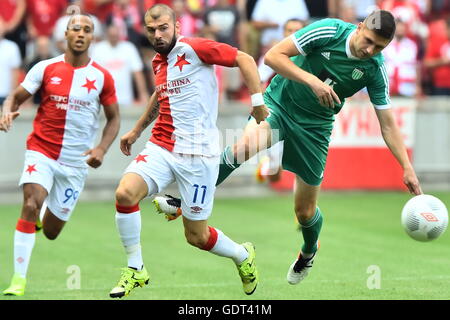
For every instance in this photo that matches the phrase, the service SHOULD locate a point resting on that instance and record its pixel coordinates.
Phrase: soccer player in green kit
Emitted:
(317, 68)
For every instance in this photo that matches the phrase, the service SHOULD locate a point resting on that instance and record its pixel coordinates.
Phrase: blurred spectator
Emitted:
(122, 60)
(251, 35)
(11, 14)
(411, 14)
(189, 24)
(355, 11)
(438, 9)
(42, 52)
(269, 17)
(321, 9)
(126, 16)
(223, 21)
(9, 65)
(437, 59)
(402, 64)
(99, 8)
(42, 16)
(59, 32)
(266, 73)
(223, 24)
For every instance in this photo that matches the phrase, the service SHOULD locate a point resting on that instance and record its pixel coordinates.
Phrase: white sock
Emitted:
(225, 247)
(23, 246)
(129, 227)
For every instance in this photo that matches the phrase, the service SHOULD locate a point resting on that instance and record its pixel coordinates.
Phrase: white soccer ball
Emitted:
(424, 217)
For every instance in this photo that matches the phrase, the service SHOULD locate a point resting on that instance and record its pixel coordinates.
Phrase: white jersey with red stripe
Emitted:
(188, 95)
(68, 117)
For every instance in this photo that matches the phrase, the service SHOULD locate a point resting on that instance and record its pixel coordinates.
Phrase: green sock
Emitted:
(310, 231)
(227, 165)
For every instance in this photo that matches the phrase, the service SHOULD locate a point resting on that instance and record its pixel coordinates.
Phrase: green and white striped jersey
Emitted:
(324, 48)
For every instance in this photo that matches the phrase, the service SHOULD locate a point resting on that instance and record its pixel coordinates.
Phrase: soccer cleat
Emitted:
(263, 169)
(17, 287)
(129, 280)
(38, 227)
(170, 206)
(299, 269)
(247, 270)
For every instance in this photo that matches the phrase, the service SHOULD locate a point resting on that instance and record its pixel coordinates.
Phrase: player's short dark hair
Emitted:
(381, 22)
(158, 10)
(80, 14)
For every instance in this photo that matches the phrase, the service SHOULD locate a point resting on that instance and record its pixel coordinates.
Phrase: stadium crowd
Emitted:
(417, 60)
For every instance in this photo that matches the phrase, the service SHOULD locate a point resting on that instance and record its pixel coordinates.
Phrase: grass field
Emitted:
(360, 230)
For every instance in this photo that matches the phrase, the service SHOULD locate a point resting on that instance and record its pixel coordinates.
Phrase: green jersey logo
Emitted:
(357, 74)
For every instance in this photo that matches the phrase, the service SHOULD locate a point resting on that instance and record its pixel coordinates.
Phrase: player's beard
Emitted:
(169, 48)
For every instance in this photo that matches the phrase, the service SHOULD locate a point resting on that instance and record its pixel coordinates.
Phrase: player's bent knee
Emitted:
(30, 209)
(125, 196)
(305, 212)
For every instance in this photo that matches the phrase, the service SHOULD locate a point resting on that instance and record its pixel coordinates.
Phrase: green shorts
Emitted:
(305, 144)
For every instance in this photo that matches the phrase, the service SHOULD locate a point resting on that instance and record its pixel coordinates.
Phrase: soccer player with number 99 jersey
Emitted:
(61, 146)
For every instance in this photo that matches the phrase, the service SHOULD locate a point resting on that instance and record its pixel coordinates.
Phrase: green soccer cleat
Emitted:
(17, 287)
(38, 227)
(129, 280)
(247, 270)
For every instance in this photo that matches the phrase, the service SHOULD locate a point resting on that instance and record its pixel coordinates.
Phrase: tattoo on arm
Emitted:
(151, 116)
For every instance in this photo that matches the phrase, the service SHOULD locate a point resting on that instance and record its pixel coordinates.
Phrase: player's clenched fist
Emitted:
(326, 95)
(127, 140)
(96, 157)
(260, 113)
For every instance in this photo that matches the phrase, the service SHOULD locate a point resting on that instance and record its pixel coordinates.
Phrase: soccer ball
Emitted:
(424, 217)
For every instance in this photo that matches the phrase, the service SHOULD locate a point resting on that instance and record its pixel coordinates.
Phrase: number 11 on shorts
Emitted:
(196, 186)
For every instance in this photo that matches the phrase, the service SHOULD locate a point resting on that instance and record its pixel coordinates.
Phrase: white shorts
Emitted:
(195, 175)
(63, 183)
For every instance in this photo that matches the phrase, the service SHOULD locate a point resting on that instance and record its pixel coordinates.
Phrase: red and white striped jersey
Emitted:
(68, 118)
(188, 95)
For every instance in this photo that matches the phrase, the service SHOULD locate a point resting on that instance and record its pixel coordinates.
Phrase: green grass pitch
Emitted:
(361, 233)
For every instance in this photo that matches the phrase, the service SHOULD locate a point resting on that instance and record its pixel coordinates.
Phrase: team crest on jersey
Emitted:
(90, 85)
(357, 74)
(181, 61)
(55, 80)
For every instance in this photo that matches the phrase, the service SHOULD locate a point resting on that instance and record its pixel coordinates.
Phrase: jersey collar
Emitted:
(347, 46)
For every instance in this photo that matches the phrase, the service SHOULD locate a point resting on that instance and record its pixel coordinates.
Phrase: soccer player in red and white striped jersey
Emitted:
(61, 146)
(184, 146)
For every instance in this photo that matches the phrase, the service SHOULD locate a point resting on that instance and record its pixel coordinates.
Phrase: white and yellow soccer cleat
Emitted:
(129, 279)
(170, 206)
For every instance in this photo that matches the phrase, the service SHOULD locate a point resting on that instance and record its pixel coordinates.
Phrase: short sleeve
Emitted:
(378, 89)
(33, 79)
(108, 94)
(212, 52)
(315, 35)
(265, 72)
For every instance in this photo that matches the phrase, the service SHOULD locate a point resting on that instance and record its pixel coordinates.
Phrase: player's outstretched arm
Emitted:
(149, 115)
(10, 107)
(393, 138)
(110, 132)
(278, 59)
(249, 71)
